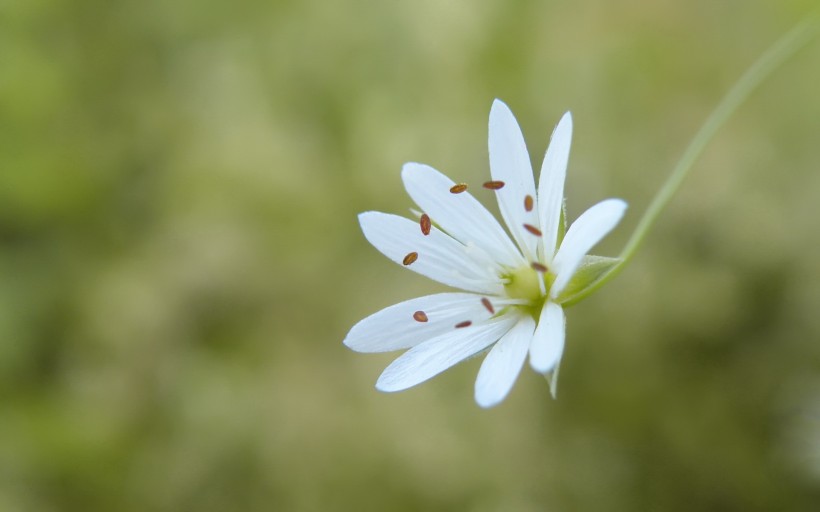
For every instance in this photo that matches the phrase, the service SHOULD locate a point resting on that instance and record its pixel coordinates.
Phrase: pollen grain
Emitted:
(538, 267)
(425, 224)
(532, 229)
(487, 304)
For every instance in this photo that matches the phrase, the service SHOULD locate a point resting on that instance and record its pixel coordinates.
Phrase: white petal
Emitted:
(460, 215)
(440, 257)
(394, 328)
(548, 341)
(510, 163)
(584, 233)
(553, 380)
(436, 355)
(502, 365)
(551, 184)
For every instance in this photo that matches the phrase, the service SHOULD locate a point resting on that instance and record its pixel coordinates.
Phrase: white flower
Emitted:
(514, 291)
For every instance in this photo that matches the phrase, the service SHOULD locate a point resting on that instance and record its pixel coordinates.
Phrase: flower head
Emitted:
(513, 288)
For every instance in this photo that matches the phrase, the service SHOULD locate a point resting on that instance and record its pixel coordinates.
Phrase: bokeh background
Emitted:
(180, 257)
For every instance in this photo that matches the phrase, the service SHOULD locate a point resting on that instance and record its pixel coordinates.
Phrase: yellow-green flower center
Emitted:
(526, 283)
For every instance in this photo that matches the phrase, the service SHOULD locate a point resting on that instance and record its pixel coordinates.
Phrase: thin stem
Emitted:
(776, 55)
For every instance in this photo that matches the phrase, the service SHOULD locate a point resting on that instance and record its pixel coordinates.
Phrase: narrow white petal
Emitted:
(395, 328)
(548, 341)
(551, 184)
(584, 233)
(460, 215)
(440, 257)
(502, 365)
(553, 380)
(436, 355)
(510, 163)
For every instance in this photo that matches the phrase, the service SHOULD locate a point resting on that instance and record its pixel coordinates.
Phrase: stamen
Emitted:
(425, 224)
(410, 258)
(528, 201)
(493, 185)
(538, 267)
(465, 323)
(487, 304)
(420, 316)
(458, 188)
(532, 229)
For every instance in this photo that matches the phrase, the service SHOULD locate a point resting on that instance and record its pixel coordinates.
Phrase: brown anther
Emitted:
(465, 323)
(458, 188)
(532, 229)
(493, 185)
(425, 224)
(528, 202)
(487, 304)
(410, 258)
(420, 316)
(538, 267)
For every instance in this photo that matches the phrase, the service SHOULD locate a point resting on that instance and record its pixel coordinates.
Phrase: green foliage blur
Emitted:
(180, 257)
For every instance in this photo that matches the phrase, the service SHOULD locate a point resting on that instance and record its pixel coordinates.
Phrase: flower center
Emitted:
(525, 283)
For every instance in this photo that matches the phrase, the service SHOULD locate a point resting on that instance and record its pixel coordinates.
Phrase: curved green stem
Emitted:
(776, 55)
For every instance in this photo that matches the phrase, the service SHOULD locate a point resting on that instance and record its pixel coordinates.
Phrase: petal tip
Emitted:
(564, 127)
(618, 206)
(553, 382)
(410, 166)
(540, 367)
(368, 216)
(487, 402)
(386, 386)
(498, 103)
(500, 108)
(485, 396)
(354, 342)
(408, 169)
(363, 216)
(413, 171)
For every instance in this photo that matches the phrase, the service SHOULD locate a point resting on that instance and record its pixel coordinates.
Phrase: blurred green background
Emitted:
(180, 257)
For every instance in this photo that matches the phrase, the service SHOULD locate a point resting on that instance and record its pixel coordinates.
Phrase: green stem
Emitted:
(776, 55)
